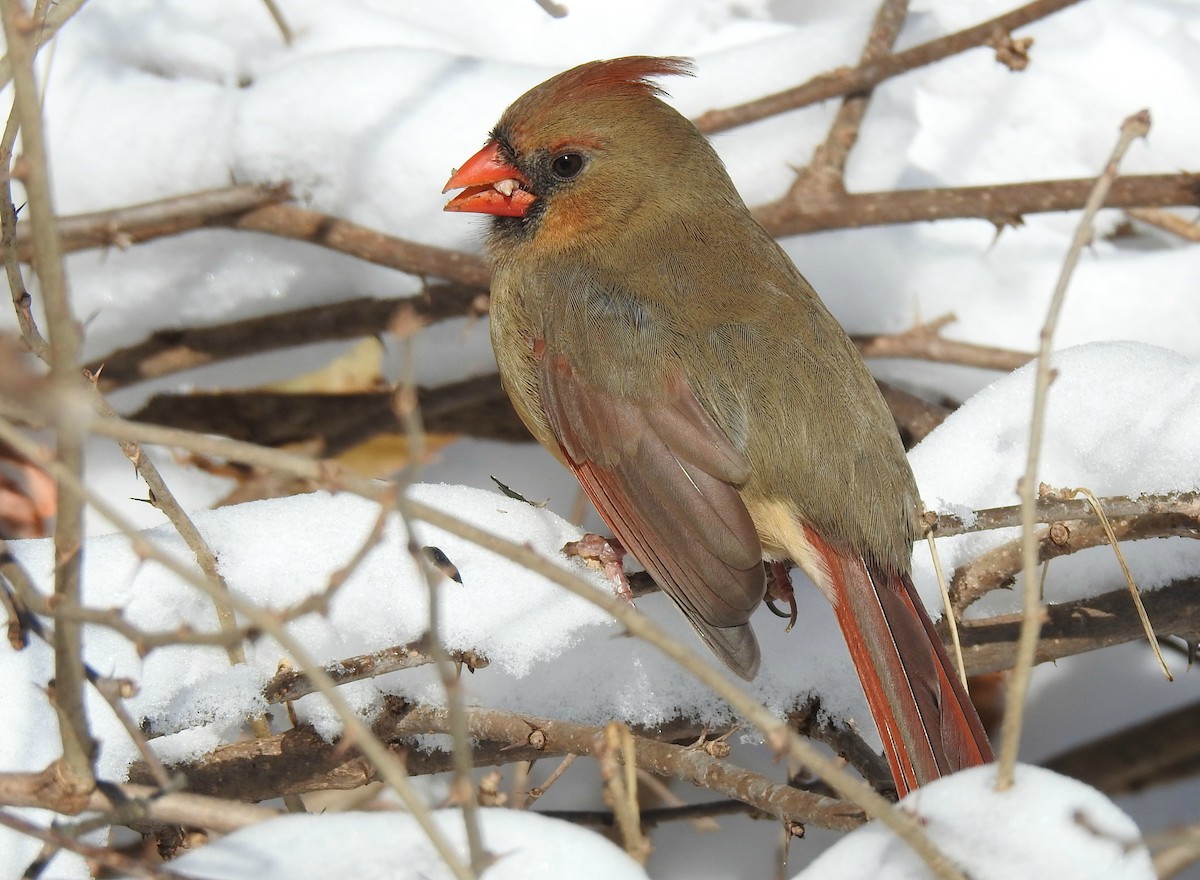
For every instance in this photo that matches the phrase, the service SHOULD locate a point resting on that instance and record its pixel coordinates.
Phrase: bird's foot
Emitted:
(608, 555)
(779, 589)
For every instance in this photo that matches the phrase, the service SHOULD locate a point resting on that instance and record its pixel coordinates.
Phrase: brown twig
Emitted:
(22, 301)
(299, 760)
(655, 817)
(1053, 506)
(915, 416)
(1173, 223)
(65, 341)
(1079, 626)
(303, 224)
(109, 858)
(1175, 851)
(998, 568)
(1153, 752)
(824, 177)
(257, 209)
(1000, 204)
(1134, 127)
(216, 814)
(58, 14)
(615, 751)
(849, 81)
(280, 22)
(925, 342)
(170, 351)
(126, 226)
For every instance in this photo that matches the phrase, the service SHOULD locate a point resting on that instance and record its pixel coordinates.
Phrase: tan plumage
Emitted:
(659, 342)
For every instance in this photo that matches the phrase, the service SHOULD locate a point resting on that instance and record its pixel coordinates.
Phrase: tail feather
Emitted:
(925, 717)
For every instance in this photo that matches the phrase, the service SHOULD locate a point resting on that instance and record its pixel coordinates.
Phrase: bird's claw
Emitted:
(779, 589)
(607, 554)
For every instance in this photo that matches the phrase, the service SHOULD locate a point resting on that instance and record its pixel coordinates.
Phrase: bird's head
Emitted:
(575, 158)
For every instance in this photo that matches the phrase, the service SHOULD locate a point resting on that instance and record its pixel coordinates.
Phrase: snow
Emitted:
(382, 846)
(1046, 825)
(1122, 420)
(365, 114)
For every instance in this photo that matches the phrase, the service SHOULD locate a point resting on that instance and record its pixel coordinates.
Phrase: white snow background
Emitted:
(364, 115)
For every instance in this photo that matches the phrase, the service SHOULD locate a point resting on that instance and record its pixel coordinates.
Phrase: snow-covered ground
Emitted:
(365, 114)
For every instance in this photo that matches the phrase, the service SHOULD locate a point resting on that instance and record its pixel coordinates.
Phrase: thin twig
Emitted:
(1053, 506)
(539, 790)
(848, 81)
(1134, 127)
(385, 762)
(164, 500)
(1133, 590)
(65, 341)
(824, 177)
(58, 14)
(280, 22)
(951, 617)
(925, 342)
(22, 301)
(1177, 853)
(201, 811)
(1186, 229)
(109, 858)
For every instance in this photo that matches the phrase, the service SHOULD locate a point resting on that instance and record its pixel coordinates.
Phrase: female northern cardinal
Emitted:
(661, 344)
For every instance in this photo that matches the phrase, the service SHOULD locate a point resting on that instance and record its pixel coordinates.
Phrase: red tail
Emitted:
(926, 720)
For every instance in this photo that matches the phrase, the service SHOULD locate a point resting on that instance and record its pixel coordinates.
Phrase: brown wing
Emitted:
(664, 477)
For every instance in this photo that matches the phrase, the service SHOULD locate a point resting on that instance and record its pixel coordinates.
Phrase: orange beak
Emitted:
(492, 186)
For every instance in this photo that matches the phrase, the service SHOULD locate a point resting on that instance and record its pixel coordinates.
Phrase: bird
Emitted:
(663, 346)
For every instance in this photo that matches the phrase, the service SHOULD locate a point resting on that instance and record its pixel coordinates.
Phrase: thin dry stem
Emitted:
(280, 22)
(948, 607)
(65, 340)
(1133, 590)
(1134, 127)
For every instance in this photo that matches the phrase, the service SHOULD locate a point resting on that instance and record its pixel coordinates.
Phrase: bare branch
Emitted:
(215, 814)
(299, 760)
(1053, 506)
(1156, 751)
(925, 342)
(849, 81)
(1080, 626)
(1002, 204)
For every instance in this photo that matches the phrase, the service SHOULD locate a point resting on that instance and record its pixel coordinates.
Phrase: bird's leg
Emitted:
(779, 589)
(607, 554)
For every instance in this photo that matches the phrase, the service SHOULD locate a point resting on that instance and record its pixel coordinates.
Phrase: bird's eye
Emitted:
(566, 165)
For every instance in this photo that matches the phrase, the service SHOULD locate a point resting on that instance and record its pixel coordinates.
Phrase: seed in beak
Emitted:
(506, 187)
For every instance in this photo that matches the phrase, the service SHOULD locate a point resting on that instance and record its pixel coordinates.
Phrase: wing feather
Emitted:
(665, 479)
